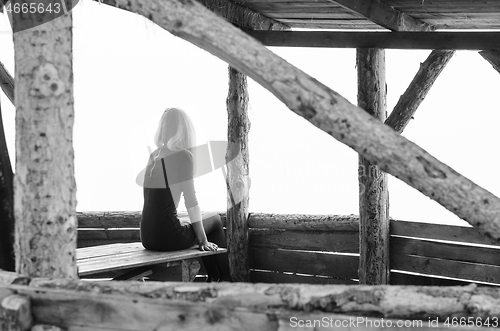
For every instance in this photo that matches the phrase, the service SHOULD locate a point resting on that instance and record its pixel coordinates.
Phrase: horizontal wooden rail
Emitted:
(343, 242)
(304, 222)
(87, 305)
(304, 262)
(465, 234)
(446, 268)
(260, 276)
(396, 40)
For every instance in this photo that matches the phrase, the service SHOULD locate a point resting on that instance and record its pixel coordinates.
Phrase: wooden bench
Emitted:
(128, 261)
(109, 247)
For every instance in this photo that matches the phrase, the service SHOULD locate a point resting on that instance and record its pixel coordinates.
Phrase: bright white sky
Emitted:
(127, 71)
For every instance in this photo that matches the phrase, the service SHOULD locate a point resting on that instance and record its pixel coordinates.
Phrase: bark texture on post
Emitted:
(417, 90)
(237, 175)
(6, 205)
(373, 192)
(325, 109)
(44, 183)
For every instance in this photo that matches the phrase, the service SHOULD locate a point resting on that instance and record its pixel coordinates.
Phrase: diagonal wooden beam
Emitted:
(417, 90)
(7, 83)
(384, 15)
(493, 58)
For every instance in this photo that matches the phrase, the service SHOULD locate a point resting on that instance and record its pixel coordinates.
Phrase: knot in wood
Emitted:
(378, 294)
(46, 81)
(431, 170)
(214, 315)
(473, 308)
(192, 293)
(289, 296)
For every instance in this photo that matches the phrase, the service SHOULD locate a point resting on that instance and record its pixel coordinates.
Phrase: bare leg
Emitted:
(215, 233)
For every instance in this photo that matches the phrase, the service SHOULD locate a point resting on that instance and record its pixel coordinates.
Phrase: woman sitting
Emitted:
(169, 173)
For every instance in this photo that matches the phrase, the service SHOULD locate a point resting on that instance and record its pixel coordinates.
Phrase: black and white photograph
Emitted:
(249, 165)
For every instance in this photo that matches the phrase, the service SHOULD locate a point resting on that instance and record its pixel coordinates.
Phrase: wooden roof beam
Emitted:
(417, 90)
(389, 40)
(493, 58)
(384, 15)
(242, 16)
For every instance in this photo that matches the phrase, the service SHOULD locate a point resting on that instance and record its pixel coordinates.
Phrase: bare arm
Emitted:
(199, 231)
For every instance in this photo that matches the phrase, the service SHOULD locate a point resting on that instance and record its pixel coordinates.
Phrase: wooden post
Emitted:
(6, 205)
(373, 194)
(237, 148)
(237, 176)
(44, 183)
(15, 313)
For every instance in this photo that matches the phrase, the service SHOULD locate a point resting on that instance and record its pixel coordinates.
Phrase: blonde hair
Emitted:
(175, 131)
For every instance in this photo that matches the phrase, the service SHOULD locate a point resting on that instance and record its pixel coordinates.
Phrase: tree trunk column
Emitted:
(237, 176)
(44, 183)
(6, 205)
(373, 192)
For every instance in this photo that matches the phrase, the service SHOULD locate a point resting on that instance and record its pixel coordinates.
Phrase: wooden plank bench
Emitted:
(127, 261)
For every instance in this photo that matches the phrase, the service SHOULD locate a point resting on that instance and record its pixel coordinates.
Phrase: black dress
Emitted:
(164, 181)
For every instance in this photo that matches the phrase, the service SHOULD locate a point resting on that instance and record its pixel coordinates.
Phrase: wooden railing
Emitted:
(442, 251)
(324, 249)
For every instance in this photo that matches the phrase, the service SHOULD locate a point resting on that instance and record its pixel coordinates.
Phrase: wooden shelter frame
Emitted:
(381, 148)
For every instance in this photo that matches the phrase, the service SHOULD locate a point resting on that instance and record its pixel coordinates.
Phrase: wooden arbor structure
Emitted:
(44, 205)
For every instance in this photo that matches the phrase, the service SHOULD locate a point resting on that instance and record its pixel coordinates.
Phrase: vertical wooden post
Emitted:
(44, 183)
(237, 149)
(6, 205)
(237, 176)
(373, 195)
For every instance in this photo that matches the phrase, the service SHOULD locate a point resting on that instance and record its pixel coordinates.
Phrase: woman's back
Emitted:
(159, 214)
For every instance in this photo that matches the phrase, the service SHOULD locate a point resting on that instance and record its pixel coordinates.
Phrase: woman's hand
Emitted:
(208, 246)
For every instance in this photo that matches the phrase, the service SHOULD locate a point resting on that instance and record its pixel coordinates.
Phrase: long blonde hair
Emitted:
(175, 132)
